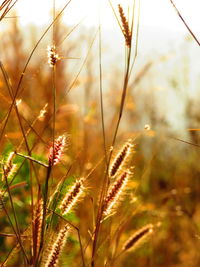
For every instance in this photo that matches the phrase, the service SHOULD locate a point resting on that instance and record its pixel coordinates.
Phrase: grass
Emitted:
(77, 188)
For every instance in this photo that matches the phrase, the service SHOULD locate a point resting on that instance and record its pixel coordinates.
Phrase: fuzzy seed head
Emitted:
(52, 56)
(56, 150)
(115, 192)
(120, 159)
(56, 249)
(1, 200)
(38, 217)
(72, 197)
(9, 167)
(43, 111)
(138, 237)
(125, 27)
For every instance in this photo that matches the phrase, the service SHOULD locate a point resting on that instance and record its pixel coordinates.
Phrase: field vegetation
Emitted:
(93, 170)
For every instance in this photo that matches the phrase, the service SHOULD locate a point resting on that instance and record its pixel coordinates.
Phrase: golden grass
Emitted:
(39, 182)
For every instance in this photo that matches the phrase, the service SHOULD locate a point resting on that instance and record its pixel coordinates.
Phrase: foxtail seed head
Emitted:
(9, 168)
(125, 27)
(72, 196)
(57, 247)
(115, 192)
(38, 216)
(56, 150)
(120, 159)
(52, 56)
(138, 237)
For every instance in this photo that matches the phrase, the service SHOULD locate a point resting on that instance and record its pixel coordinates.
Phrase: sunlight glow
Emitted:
(154, 13)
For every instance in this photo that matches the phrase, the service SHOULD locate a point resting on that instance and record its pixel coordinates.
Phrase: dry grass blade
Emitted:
(7, 5)
(186, 25)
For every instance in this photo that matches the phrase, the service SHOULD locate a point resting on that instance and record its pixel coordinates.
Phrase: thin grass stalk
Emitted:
(56, 190)
(86, 58)
(7, 9)
(10, 89)
(32, 159)
(45, 199)
(137, 36)
(186, 25)
(10, 252)
(43, 110)
(17, 231)
(26, 65)
(101, 92)
(46, 166)
(5, 2)
(106, 178)
(49, 169)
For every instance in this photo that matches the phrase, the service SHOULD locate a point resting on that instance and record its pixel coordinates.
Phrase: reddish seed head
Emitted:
(56, 150)
(52, 56)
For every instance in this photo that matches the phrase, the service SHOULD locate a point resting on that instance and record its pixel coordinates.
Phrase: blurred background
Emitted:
(161, 113)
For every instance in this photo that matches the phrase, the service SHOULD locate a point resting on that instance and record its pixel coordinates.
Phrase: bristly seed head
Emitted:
(138, 237)
(115, 192)
(38, 216)
(72, 196)
(125, 27)
(9, 168)
(57, 247)
(52, 56)
(56, 150)
(120, 159)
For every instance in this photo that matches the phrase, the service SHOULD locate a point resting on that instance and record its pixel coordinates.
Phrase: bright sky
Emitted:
(154, 13)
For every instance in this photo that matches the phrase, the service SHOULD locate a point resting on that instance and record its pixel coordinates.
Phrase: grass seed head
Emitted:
(9, 168)
(120, 159)
(138, 237)
(57, 247)
(72, 196)
(56, 150)
(115, 192)
(52, 56)
(125, 27)
(38, 217)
